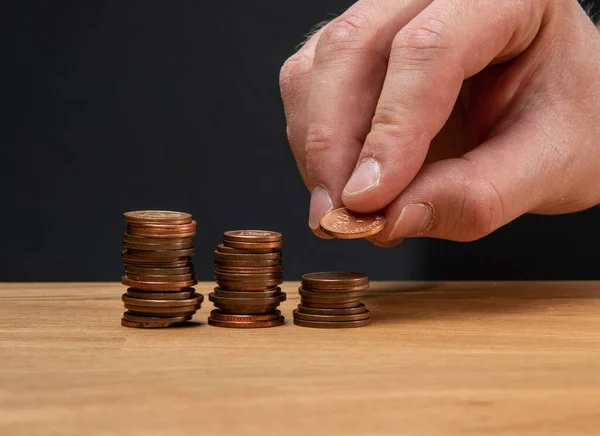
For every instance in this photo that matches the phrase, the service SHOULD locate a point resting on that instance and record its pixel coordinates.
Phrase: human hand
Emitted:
(454, 117)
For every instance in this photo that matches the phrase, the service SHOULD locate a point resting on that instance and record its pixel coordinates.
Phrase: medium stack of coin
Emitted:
(158, 269)
(332, 300)
(248, 270)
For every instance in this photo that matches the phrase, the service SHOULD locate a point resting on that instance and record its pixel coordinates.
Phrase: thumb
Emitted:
(467, 198)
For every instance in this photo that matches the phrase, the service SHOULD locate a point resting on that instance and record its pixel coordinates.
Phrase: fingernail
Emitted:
(320, 204)
(413, 220)
(365, 176)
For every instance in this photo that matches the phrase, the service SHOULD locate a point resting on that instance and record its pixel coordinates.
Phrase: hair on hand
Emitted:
(312, 32)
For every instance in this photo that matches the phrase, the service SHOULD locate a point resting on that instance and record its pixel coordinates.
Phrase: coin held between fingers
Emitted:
(342, 223)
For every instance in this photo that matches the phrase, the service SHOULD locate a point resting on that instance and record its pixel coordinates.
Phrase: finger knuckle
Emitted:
(389, 117)
(406, 144)
(385, 129)
(391, 125)
(524, 8)
(388, 129)
(478, 213)
(388, 114)
(421, 42)
(319, 138)
(480, 210)
(291, 73)
(344, 33)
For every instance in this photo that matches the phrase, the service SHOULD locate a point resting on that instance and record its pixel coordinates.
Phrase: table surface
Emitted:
(439, 358)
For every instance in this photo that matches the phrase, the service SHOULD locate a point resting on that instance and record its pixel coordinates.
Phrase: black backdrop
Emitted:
(111, 106)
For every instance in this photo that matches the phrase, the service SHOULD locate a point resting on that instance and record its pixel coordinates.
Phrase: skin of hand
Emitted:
(454, 117)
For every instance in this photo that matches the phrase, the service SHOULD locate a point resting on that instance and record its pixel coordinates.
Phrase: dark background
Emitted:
(111, 106)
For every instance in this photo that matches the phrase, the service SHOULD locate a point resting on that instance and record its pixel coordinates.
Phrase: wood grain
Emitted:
(440, 358)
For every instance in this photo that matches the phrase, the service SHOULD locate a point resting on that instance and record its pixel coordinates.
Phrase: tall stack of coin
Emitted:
(332, 300)
(248, 270)
(158, 269)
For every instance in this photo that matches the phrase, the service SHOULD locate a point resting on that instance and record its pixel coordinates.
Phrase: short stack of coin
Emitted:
(332, 300)
(248, 270)
(158, 269)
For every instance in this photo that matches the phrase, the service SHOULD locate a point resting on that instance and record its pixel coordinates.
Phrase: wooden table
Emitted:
(440, 358)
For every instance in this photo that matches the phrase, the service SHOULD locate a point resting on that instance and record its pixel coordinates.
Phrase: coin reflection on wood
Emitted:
(248, 272)
(342, 223)
(157, 255)
(332, 300)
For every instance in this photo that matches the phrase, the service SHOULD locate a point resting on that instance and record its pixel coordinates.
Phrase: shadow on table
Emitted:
(396, 301)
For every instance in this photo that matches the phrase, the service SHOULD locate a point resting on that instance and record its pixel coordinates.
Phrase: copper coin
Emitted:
(344, 224)
(155, 262)
(156, 247)
(162, 254)
(137, 318)
(149, 295)
(157, 217)
(332, 324)
(248, 286)
(220, 316)
(187, 227)
(252, 236)
(330, 296)
(249, 270)
(161, 265)
(316, 311)
(360, 289)
(174, 228)
(159, 271)
(248, 264)
(246, 310)
(248, 325)
(252, 245)
(156, 266)
(145, 240)
(249, 294)
(161, 311)
(331, 318)
(154, 233)
(248, 257)
(194, 301)
(161, 278)
(334, 280)
(158, 286)
(330, 303)
(252, 301)
(230, 253)
(130, 258)
(152, 325)
(185, 263)
(131, 320)
(163, 235)
(320, 305)
(248, 277)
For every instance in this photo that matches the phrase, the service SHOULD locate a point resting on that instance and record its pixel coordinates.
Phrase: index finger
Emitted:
(447, 43)
(346, 79)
